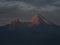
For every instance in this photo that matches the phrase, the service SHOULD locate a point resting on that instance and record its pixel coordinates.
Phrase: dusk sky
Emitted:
(10, 9)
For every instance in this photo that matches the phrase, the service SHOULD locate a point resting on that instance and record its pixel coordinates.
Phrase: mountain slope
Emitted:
(37, 18)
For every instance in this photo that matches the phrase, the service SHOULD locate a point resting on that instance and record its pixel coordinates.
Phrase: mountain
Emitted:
(36, 23)
(37, 29)
(37, 18)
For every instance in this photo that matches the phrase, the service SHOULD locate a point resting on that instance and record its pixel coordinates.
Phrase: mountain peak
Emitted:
(15, 22)
(37, 18)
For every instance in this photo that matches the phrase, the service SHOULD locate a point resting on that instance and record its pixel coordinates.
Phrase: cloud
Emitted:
(48, 8)
(25, 6)
(12, 9)
(20, 5)
(57, 2)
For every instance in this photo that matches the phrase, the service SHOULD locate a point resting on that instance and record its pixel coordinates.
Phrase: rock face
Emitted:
(37, 18)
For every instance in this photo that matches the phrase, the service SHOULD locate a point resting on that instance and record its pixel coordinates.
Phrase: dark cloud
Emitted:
(10, 9)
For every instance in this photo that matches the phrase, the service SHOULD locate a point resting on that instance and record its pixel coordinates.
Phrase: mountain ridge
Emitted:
(35, 20)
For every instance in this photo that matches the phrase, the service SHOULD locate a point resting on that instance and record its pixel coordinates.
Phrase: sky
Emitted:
(25, 9)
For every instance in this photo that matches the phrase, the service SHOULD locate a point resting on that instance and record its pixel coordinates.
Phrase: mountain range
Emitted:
(38, 29)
